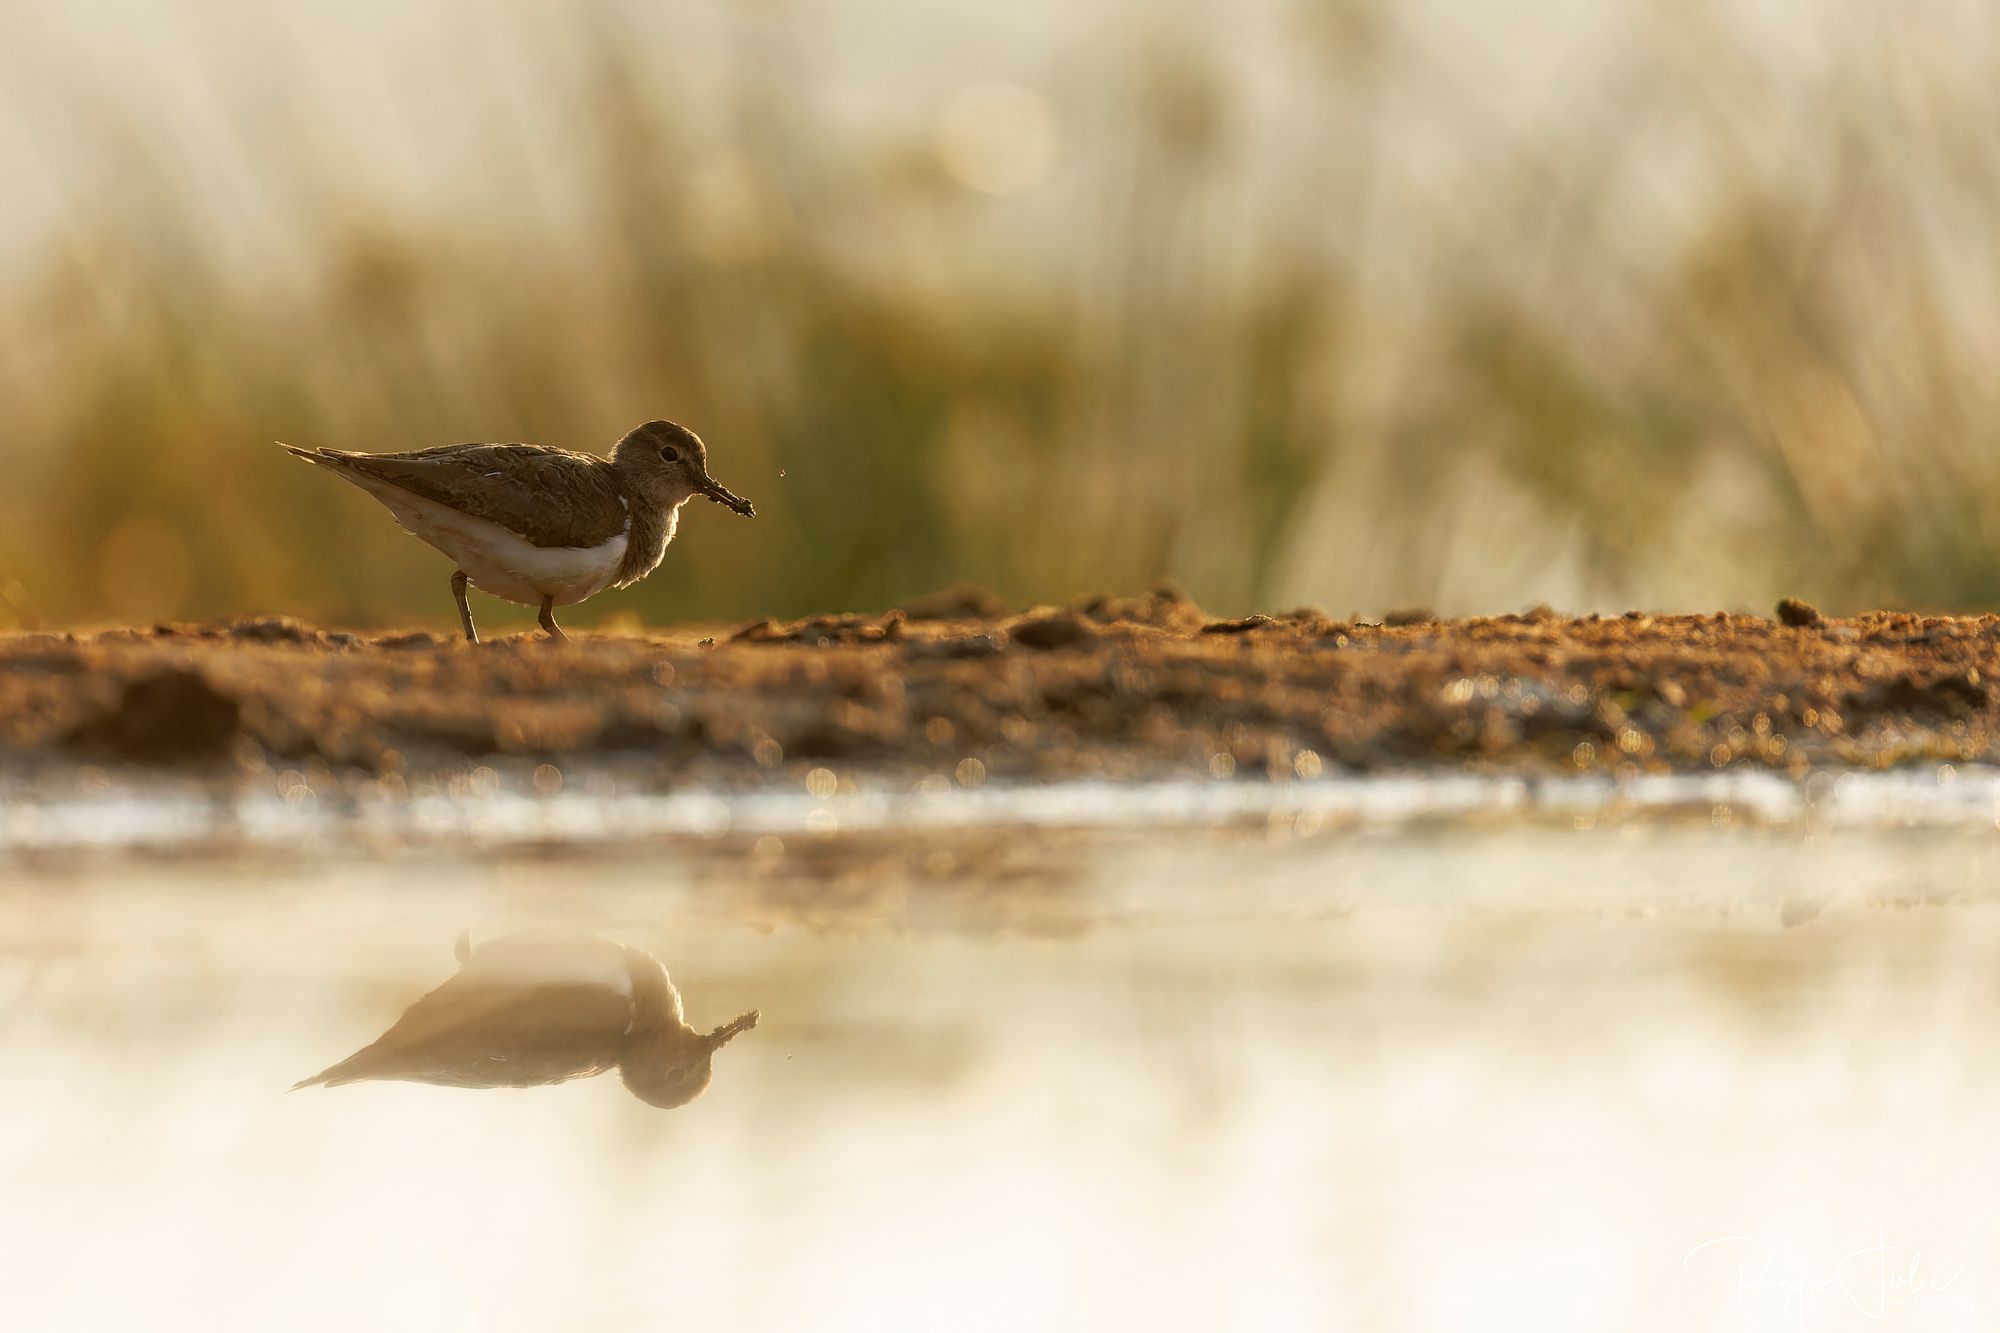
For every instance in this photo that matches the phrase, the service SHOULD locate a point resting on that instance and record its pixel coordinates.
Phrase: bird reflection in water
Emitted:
(526, 1010)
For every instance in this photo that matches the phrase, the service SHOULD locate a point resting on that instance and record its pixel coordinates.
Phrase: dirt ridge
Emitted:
(1119, 687)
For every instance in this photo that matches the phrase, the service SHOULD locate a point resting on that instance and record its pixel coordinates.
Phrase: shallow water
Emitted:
(85, 812)
(1408, 1076)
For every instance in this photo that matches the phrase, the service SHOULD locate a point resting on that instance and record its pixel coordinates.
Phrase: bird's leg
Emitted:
(464, 608)
(548, 619)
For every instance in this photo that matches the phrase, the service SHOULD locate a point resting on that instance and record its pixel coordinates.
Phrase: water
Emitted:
(487, 809)
(1398, 1076)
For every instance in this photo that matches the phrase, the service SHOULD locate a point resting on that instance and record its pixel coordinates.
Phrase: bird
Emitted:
(531, 523)
(528, 1010)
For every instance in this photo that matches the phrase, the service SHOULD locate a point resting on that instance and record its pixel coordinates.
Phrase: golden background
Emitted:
(1357, 304)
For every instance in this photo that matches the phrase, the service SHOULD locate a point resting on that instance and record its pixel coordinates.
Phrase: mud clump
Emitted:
(990, 644)
(1949, 696)
(824, 631)
(1062, 629)
(1242, 625)
(1165, 606)
(961, 601)
(171, 715)
(285, 629)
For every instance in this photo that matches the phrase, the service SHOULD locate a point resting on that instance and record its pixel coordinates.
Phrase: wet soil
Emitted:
(957, 688)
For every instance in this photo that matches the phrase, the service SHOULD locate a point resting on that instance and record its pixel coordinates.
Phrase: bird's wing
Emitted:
(492, 1028)
(551, 497)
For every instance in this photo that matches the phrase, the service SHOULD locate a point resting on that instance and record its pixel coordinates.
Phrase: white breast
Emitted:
(498, 561)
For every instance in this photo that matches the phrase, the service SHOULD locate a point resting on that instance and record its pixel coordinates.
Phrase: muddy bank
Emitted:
(956, 688)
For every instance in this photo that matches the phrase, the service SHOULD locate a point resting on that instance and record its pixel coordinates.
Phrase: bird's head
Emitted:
(684, 1072)
(668, 464)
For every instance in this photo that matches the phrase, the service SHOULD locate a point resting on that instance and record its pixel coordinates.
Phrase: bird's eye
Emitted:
(670, 454)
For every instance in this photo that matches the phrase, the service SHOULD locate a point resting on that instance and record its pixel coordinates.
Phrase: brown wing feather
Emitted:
(488, 1029)
(552, 497)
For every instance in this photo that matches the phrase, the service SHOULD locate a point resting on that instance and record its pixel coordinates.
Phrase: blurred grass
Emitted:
(1335, 301)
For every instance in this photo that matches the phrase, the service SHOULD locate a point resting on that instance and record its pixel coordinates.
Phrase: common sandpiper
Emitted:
(524, 1011)
(534, 524)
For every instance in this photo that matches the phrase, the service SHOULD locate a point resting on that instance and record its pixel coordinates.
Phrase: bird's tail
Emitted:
(335, 1075)
(323, 457)
(353, 1068)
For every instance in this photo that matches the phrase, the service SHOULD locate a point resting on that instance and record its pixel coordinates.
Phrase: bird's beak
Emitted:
(722, 495)
(730, 1029)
